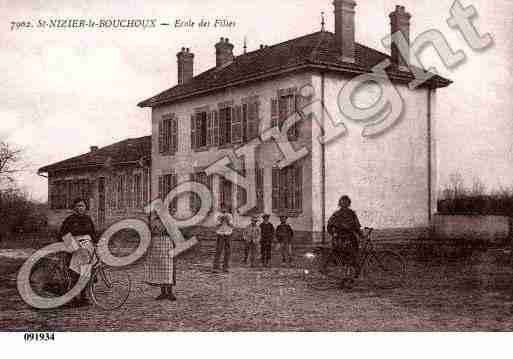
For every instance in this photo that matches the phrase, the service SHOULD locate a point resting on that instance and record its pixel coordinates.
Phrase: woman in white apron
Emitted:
(160, 267)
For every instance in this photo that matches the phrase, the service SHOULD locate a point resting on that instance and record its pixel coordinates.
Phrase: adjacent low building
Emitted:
(113, 180)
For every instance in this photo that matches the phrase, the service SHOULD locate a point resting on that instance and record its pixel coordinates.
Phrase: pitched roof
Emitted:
(124, 152)
(317, 50)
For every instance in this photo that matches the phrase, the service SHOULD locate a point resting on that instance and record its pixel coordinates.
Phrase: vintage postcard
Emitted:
(242, 166)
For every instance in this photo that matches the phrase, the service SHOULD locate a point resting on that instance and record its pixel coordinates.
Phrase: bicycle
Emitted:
(330, 267)
(108, 287)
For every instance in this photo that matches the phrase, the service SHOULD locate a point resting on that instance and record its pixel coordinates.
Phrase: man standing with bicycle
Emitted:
(345, 229)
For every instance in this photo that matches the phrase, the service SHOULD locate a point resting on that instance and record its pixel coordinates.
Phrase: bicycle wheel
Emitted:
(328, 273)
(385, 269)
(110, 287)
(48, 279)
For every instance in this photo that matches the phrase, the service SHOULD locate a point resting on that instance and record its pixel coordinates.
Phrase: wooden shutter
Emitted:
(210, 129)
(282, 110)
(192, 197)
(222, 126)
(276, 190)
(161, 187)
(298, 187)
(199, 119)
(173, 181)
(161, 137)
(193, 132)
(253, 121)
(174, 135)
(245, 124)
(293, 133)
(259, 184)
(215, 128)
(274, 113)
(237, 125)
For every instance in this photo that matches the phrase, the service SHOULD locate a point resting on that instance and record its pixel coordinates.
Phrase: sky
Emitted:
(64, 90)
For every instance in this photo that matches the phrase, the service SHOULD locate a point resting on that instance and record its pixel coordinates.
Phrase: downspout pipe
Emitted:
(323, 161)
(429, 155)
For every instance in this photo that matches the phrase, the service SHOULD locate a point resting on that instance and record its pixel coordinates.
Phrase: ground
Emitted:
(473, 293)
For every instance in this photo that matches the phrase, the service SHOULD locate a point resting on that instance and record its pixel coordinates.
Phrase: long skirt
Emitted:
(160, 265)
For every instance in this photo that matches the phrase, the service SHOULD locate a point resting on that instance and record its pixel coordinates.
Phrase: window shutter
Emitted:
(274, 113)
(222, 126)
(298, 182)
(245, 122)
(215, 130)
(174, 135)
(259, 184)
(253, 121)
(293, 106)
(237, 124)
(193, 132)
(192, 197)
(199, 141)
(210, 129)
(161, 188)
(221, 191)
(276, 190)
(161, 137)
(282, 110)
(174, 183)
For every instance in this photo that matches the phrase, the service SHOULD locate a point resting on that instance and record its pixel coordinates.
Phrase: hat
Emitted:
(264, 216)
(283, 217)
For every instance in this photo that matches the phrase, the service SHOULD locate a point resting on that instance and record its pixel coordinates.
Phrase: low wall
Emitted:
(493, 229)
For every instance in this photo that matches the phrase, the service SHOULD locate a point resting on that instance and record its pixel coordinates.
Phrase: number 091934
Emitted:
(38, 337)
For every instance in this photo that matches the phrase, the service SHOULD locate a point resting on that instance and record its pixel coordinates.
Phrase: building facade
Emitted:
(391, 177)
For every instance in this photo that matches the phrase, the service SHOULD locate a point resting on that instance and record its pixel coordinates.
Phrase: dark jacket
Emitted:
(267, 232)
(284, 232)
(78, 225)
(344, 224)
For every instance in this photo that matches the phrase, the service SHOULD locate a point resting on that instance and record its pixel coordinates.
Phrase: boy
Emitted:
(266, 235)
(251, 237)
(284, 234)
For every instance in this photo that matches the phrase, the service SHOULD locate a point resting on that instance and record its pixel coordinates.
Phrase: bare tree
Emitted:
(10, 161)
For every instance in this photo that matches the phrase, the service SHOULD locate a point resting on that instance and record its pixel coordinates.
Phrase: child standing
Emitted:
(251, 236)
(284, 235)
(266, 242)
(160, 264)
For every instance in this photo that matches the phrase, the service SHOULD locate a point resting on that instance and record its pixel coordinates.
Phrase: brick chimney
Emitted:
(345, 28)
(224, 52)
(185, 66)
(400, 21)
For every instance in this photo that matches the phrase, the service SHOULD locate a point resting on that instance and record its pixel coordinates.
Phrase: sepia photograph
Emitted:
(332, 166)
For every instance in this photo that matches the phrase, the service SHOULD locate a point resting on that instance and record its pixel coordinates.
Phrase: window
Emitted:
(199, 177)
(225, 124)
(287, 196)
(204, 129)
(64, 192)
(168, 135)
(242, 197)
(231, 124)
(250, 119)
(225, 193)
(166, 184)
(213, 129)
(282, 108)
